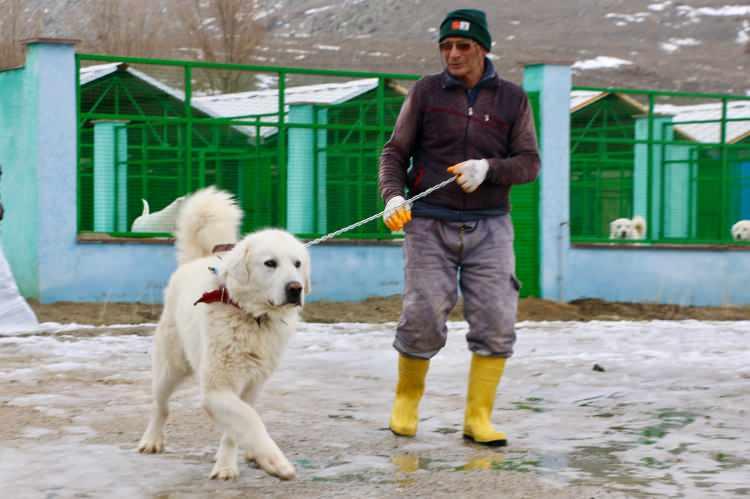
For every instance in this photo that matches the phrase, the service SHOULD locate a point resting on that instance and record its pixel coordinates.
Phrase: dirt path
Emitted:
(376, 310)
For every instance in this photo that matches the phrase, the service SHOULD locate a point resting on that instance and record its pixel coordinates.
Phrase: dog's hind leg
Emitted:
(226, 459)
(167, 373)
(243, 424)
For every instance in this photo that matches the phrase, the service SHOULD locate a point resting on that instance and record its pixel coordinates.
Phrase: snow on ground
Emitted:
(673, 44)
(664, 414)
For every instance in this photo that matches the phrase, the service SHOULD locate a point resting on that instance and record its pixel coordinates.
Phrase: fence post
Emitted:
(553, 82)
(306, 171)
(40, 162)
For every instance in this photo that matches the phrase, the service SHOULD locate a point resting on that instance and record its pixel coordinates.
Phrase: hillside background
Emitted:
(696, 46)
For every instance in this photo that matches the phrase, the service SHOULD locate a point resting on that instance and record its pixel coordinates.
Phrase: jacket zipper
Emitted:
(469, 114)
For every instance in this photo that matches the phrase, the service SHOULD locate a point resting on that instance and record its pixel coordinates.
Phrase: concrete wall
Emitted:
(676, 276)
(139, 272)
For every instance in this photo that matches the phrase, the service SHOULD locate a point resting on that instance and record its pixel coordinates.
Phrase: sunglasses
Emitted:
(460, 46)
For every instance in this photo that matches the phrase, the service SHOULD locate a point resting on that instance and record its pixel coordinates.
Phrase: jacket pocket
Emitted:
(515, 282)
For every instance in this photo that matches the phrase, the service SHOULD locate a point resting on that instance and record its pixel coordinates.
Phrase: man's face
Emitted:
(462, 57)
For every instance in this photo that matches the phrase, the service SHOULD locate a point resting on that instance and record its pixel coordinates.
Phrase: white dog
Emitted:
(163, 220)
(227, 318)
(741, 230)
(625, 228)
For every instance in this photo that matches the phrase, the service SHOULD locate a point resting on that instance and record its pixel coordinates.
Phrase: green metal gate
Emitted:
(525, 205)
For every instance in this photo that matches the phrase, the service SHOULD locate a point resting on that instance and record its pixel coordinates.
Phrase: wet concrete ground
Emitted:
(663, 414)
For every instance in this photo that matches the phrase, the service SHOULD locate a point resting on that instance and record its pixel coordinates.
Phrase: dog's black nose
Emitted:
(294, 293)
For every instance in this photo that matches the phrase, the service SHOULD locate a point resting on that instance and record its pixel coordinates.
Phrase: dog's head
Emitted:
(625, 228)
(622, 228)
(741, 230)
(266, 272)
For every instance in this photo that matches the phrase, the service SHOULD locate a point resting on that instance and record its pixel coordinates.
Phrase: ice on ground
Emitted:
(641, 408)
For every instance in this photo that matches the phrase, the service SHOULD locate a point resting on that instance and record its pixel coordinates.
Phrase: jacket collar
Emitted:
(489, 77)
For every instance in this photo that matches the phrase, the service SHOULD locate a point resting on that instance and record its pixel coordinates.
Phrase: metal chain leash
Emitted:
(378, 215)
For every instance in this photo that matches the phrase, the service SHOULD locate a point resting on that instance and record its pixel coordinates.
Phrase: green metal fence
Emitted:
(299, 148)
(679, 160)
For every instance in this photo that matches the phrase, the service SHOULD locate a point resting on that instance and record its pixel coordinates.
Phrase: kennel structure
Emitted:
(145, 138)
(680, 160)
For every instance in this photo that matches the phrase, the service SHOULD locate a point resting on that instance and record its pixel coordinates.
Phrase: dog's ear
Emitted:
(639, 224)
(237, 263)
(612, 229)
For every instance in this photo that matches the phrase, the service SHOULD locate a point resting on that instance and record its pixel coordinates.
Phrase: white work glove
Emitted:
(396, 218)
(470, 174)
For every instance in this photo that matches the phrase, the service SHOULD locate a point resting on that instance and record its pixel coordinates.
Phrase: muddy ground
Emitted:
(377, 310)
(663, 415)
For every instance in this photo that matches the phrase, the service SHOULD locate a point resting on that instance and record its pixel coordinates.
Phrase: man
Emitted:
(467, 122)
(15, 313)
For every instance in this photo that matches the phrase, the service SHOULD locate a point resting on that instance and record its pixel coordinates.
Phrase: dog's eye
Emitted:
(297, 263)
(270, 263)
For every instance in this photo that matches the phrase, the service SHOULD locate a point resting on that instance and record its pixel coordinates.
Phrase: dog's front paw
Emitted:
(151, 445)
(276, 464)
(224, 472)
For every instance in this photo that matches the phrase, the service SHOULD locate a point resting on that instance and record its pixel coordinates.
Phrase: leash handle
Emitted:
(369, 219)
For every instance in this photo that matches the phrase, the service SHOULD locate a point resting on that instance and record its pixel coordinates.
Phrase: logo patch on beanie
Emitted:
(461, 25)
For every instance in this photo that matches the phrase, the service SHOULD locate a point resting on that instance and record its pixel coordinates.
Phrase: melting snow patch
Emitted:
(600, 62)
(318, 10)
(624, 19)
(658, 7)
(743, 35)
(673, 44)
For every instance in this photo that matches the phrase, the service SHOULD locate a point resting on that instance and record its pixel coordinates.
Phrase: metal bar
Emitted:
(247, 67)
(283, 167)
(79, 133)
(649, 168)
(662, 183)
(316, 167)
(725, 177)
(665, 93)
(188, 76)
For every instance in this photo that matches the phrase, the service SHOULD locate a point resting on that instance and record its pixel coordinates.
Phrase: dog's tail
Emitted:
(639, 224)
(207, 218)
(146, 208)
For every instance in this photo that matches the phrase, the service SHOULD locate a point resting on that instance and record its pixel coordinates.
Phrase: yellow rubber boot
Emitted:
(409, 391)
(484, 376)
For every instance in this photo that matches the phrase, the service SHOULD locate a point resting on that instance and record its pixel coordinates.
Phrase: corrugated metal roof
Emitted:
(244, 104)
(682, 116)
(582, 98)
(262, 102)
(710, 132)
(91, 73)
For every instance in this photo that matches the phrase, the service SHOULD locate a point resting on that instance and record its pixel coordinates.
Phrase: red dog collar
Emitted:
(220, 295)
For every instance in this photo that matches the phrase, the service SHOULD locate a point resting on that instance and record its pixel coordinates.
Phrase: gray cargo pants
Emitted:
(481, 255)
